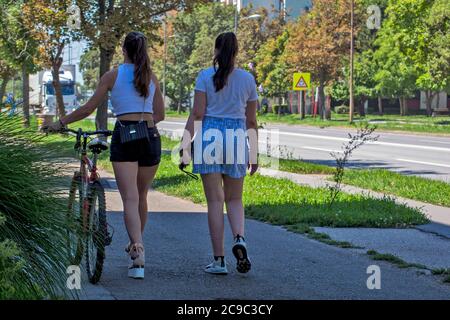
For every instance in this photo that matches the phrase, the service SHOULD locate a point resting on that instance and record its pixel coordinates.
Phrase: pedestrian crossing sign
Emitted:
(302, 81)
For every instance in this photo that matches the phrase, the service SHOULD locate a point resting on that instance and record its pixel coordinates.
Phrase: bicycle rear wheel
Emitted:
(74, 221)
(96, 232)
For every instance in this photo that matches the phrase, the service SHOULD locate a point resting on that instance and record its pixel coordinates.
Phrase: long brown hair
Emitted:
(226, 50)
(135, 44)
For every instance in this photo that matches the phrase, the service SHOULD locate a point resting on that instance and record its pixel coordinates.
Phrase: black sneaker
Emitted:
(243, 264)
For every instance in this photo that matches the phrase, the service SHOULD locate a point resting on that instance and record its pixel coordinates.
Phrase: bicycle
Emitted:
(87, 229)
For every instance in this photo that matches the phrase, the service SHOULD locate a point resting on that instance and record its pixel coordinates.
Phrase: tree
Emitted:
(319, 41)
(253, 33)
(104, 22)
(271, 67)
(19, 46)
(418, 33)
(214, 19)
(90, 64)
(7, 71)
(47, 20)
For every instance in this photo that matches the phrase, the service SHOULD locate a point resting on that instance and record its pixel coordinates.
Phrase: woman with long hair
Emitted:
(135, 97)
(224, 112)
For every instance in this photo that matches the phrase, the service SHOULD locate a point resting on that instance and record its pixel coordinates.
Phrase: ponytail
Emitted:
(135, 45)
(226, 50)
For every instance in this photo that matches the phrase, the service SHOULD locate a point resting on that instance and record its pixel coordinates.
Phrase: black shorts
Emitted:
(146, 152)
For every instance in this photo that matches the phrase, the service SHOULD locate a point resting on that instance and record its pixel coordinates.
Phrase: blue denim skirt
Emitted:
(221, 147)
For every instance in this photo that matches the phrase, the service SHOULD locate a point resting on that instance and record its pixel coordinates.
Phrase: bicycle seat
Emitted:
(98, 145)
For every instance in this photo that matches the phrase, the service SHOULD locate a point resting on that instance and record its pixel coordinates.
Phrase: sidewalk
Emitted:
(286, 265)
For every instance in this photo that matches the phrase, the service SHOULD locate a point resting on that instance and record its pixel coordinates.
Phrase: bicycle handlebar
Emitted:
(88, 133)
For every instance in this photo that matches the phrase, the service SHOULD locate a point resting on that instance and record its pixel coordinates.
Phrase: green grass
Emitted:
(394, 260)
(411, 187)
(282, 202)
(322, 237)
(444, 272)
(381, 180)
(412, 123)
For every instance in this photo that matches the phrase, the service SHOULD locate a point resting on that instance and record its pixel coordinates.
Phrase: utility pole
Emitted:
(352, 53)
(165, 62)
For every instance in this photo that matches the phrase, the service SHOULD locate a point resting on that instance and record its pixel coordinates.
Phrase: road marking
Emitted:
(322, 149)
(313, 136)
(432, 141)
(426, 163)
(390, 144)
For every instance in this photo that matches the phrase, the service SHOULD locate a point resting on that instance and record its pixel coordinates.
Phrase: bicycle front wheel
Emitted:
(74, 221)
(96, 232)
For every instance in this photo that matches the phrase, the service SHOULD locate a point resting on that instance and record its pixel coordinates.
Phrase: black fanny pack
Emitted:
(133, 132)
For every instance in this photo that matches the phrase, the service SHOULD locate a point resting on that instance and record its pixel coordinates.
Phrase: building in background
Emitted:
(291, 8)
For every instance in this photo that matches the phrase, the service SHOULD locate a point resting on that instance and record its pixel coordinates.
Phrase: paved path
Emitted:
(286, 265)
(424, 155)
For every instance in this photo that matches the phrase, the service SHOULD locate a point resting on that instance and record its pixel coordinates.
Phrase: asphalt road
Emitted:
(422, 155)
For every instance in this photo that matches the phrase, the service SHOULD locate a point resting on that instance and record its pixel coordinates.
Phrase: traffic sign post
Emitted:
(301, 82)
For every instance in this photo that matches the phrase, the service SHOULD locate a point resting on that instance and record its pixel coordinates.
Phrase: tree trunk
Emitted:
(60, 109)
(26, 96)
(362, 111)
(405, 106)
(400, 101)
(321, 98)
(380, 106)
(302, 105)
(280, 103)
(179, 99)
(5, 81)
(328, 107)
(428, 100)
(101, 119)
(438, 100)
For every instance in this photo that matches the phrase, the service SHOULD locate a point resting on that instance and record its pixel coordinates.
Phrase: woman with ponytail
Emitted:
(223, 120)
(136, 98)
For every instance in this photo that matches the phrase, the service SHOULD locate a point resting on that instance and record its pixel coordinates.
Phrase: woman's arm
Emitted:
(252, 132)
(158, 102)
(197, 114)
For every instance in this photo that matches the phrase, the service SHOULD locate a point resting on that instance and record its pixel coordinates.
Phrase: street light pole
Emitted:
(352, 53)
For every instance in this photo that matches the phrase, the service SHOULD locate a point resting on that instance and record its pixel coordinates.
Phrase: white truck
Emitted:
(42, 91)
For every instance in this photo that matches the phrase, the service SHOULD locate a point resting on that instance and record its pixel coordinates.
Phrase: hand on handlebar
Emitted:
(53, 127)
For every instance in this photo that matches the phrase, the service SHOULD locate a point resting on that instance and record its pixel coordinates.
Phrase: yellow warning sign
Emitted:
(302, 81)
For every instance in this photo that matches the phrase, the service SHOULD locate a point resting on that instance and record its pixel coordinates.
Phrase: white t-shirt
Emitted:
(231, 101)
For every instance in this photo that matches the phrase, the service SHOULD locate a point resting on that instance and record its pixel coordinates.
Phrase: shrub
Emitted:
(33, 258)
(342, 109)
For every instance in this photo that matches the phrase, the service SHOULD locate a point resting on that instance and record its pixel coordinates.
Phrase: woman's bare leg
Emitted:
(144, 180)
(233, 199)
(212, 184)
(126, 176)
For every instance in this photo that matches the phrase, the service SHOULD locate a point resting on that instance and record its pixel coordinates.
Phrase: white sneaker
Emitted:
(243, 264)
(218, 266)
(137, 255)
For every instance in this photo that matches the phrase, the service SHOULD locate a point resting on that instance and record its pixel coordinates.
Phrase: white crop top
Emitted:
(124, 96)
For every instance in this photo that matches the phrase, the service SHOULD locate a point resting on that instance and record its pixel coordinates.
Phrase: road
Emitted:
(422, 155)
(286, 265)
